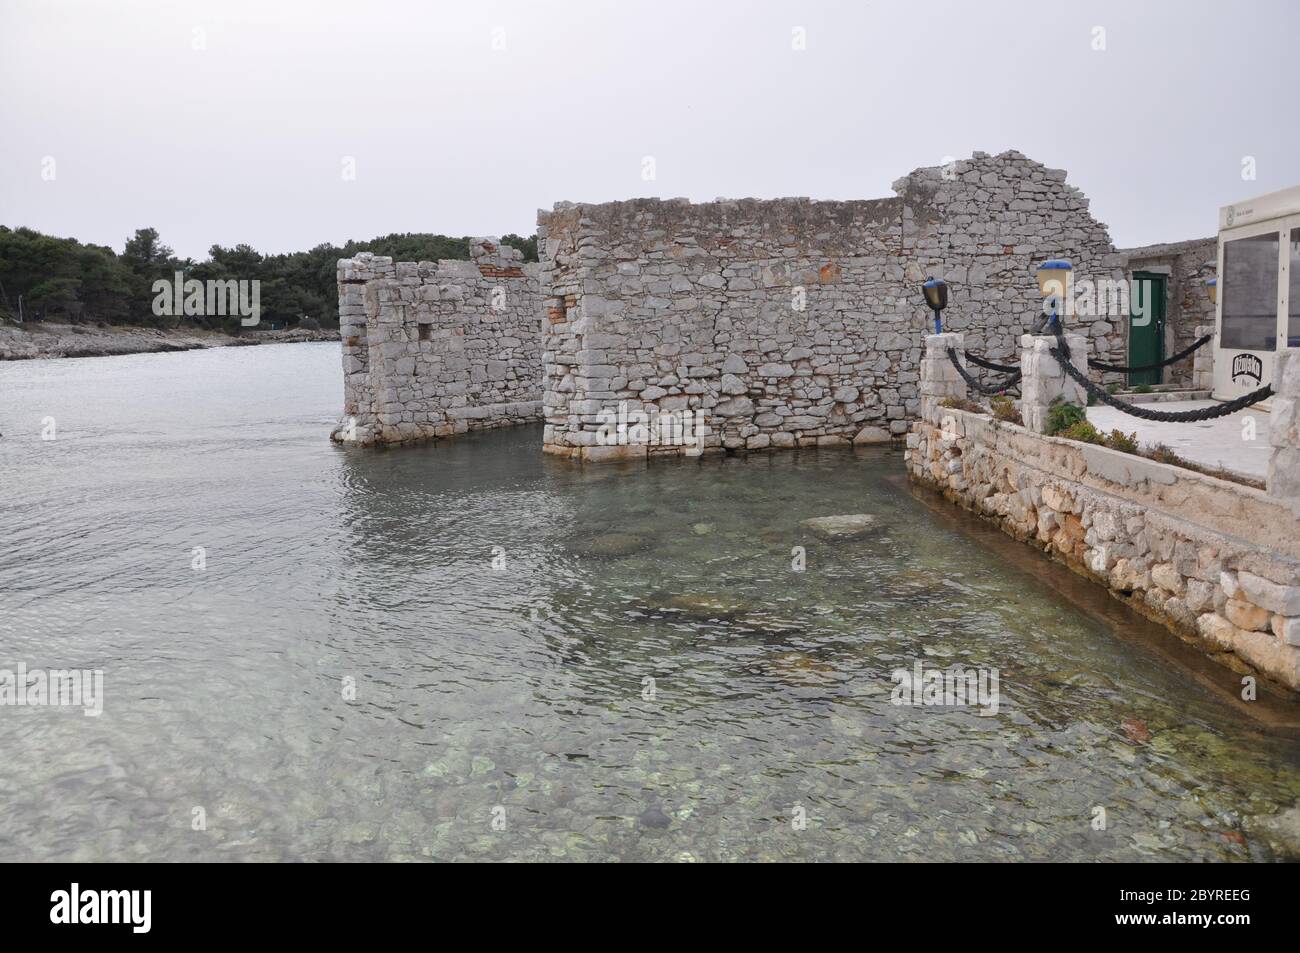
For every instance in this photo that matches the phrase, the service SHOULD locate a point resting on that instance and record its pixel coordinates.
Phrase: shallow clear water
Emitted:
(519, 695)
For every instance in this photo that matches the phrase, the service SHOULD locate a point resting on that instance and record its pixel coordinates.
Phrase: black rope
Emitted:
(981, 362)
(974, 382)
(1062, 355)
(1121, 369)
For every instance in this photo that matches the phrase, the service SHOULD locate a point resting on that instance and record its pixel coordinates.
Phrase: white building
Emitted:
(1258, 307)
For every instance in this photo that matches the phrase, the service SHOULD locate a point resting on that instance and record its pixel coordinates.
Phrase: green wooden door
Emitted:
(1146, 326)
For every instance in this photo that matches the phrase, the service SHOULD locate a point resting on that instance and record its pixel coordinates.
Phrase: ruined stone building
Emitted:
(435, 349)
(780, 323)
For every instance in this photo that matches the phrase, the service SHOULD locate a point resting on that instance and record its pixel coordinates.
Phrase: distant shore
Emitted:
(47, 339)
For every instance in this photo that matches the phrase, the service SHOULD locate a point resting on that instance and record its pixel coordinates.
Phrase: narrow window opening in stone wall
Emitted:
(425, 330)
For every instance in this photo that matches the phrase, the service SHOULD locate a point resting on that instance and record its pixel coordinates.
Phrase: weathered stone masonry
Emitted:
(1188, 310)
(793, 322)
(1216, 562)
(784, 323)
(431, 350)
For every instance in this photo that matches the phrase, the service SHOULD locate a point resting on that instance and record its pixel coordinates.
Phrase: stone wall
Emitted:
(1187, 265)
(1043, 379)
(1217, 562)
(1202, 360)
(431, 350)
(1284, 431)
(792, 322)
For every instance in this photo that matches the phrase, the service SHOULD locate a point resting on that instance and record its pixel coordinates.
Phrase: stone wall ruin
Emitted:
(778, 323)
(431, 350)
(793, 322)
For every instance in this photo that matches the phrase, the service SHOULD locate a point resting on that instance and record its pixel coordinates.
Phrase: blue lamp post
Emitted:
(1053, 282)
(936, 296)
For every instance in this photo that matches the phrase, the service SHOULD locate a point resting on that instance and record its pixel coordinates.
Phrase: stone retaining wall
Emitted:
(431, 350)
(793, 322)
(1217, 562)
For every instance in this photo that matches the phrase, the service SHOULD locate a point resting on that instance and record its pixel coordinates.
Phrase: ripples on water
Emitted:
(521, 694)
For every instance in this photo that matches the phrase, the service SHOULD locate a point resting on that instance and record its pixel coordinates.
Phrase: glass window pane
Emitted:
(1293, 308)
(1249, 289)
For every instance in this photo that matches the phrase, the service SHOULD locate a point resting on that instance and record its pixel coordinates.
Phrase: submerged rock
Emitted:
(1282, 831)
(767, 625)
(1136, 730)
(699, 606)
(844, 526)
(616, 544)
(654, 818)
(942, 650)
(800, 669)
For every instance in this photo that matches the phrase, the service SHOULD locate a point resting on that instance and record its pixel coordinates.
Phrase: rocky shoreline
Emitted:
(45, 340)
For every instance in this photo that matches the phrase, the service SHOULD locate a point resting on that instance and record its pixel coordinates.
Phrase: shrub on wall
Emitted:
(1004, 408)
(1062, 415)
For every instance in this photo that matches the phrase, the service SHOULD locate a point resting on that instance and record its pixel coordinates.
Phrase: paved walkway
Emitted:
(1216, 443)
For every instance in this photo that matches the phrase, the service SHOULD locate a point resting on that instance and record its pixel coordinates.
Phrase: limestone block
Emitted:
(1270, 655)
(1287, 629)
(1284, 600)
(1284, 429)
(1247, 616)
(1167, 577)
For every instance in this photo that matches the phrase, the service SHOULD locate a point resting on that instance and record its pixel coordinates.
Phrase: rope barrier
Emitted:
(981, 362)
(974, 382)
(1122, 369)
(1062, 355)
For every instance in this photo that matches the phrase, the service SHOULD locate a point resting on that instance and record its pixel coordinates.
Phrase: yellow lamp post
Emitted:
(1054, 282)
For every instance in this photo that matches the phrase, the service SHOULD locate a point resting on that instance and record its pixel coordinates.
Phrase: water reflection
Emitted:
(648, 677)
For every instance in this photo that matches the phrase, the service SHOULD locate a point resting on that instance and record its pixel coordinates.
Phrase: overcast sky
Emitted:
(231, 121)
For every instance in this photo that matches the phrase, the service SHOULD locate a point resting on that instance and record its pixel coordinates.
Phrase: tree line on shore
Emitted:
(60, 279)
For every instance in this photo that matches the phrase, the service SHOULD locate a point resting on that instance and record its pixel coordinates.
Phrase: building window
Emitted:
(1293, 295)
(1250, 293)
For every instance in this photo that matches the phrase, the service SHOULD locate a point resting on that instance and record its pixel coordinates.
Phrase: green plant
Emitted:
(1161, 453)
(1004, 408)
(1142, 389)
(961, 403)
(1112, 388)
(1082, 431)
(1085, 432)
(1061, 415)
(1125, 442)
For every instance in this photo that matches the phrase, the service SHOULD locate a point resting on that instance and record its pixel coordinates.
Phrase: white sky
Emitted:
(243, 140)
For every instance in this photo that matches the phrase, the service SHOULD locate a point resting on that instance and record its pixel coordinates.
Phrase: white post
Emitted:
(1203, 360)
(1043, 379)
(1284, 429)
(939, 379)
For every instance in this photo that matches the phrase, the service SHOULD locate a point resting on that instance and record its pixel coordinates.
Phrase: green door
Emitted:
(1146, 326)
